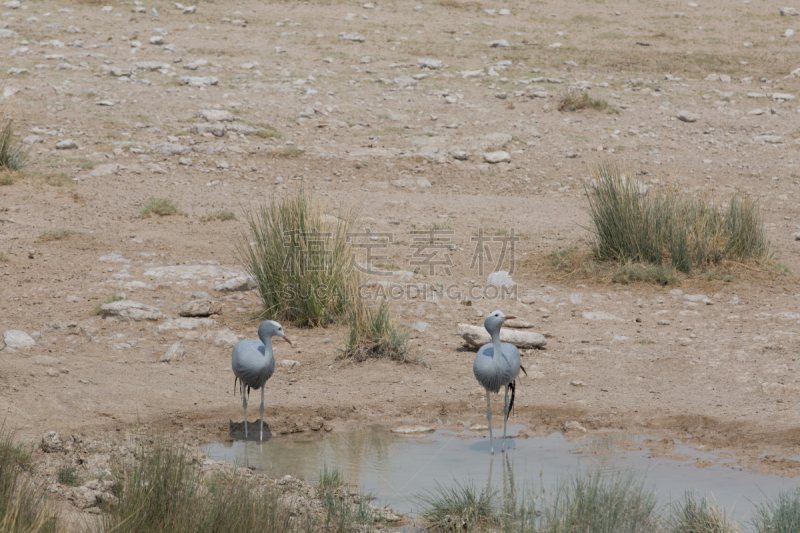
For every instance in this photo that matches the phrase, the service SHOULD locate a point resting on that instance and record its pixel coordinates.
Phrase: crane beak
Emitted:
(508, 317)
(284, 337)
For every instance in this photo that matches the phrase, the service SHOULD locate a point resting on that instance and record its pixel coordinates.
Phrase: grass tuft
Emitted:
(111, 298)
(58, 180)
(24, 506)
(218, 215)
(458, 507)
(693, 515)
(374, 334)
(594, 502)
(266, 131)
(571, 102)
(68, 475)
(161, 207)
(6, 179)
(659, 227)
(778, 515)
(57, 235)
(12, 154)
(299, 259)
(288, 153)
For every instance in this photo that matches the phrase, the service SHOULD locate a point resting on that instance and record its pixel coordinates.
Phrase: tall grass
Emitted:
(373, 334)
(24, 506)
(781, 515)
(299, 259)
(162, 491)
(593, 502)
(664, 228)
(12, 154)
(459, 506)
(699, 515)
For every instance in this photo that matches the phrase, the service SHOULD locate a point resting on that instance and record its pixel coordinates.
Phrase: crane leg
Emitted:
(505, 420)
(244, 405)
(489, 418)
(262, 413)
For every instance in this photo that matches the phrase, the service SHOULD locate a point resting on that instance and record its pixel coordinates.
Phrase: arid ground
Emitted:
(392, 105)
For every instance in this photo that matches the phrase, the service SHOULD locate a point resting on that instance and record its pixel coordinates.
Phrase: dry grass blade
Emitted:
(12, 154)
(571, 102)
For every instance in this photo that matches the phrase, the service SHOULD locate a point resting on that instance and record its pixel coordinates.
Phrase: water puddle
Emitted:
(396, 467)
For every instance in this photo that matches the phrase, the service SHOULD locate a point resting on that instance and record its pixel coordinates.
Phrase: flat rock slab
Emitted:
(175, 352)
(129, 310)
(516, 323)
(215, 115)
(202, 307)
(497, 157)
(18, 340)
(187, 272)
(687, 116)
(408, 430)
(477, 336)
(185, 323)
(241, 283)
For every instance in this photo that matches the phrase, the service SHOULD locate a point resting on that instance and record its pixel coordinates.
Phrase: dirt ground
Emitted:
(361, 119)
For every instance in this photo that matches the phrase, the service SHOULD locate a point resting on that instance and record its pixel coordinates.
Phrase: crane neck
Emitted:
(496, 342)
(267, 345)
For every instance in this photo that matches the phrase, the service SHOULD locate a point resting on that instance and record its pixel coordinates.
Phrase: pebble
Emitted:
(405, 82)
(501, 278)
(500, 43)
(176, 351)
(290, 363)
(353, 37)
(788, 33)
(198, 82)
(782, 96)
(241, 283)
(770, 139)
(663, 322)
(478, 336)
(171, 149)
(407, 430)
(18, 340)
(200, 307)
(215, 115)
(433, 64)
(66, 144)
(687, 116)
(420, 326)
(598, 315)
(574, 426)
(130, 310)
(497, 157)
(789, 12)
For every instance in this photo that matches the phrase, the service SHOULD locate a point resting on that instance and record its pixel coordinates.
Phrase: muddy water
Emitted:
(394, 467)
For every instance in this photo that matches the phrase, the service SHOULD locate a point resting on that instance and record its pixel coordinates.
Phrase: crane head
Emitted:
(495, 320)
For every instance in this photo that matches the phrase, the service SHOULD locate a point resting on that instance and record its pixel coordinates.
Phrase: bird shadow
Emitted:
(236, 430)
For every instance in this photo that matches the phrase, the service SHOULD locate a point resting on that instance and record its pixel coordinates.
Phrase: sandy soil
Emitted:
(723, 372)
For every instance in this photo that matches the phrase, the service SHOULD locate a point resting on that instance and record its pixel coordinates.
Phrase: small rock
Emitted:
(500, 43)
(51, 442)
(501, 278)
(157, 39)
(477, 336)
(788, 12)
(226, 338)
(460, 155)
(290, 363)
(433, 64)
(770, 139)
(353, 37)
(782, 96)
(130, 310)
(176, 351)
(574, 426)
(215, 115)
(201, 307)
(687, 116)
(788, 33)
(18, 340)
(663, 322)
(577, 383)
(405, 82)
(796, 236)
(171, 149)
(497, 157)
(518, 324)
(598, 315)
(407, 430)
(66, 144)
(107, 169)
(420, 326)
(241, 283)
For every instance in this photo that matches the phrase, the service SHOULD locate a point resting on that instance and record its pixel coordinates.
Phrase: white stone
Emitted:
(407, 430)
(433, 64)
(501, 278)
(175, 352)
(215, 115)
(782, 96)
(66, 144)
(574, 426)
(290, 363)
(477, 336)
(241, 283)
(497, 157)
(500, 43)
(226, 339)
(687, 116)
(420, 326)
(598, 315)
(788, 12)
(130, 310)
(18, 340)
(174, 324)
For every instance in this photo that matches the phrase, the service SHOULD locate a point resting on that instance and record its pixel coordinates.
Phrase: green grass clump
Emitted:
(299, 260)
(374, 334)
(161, 207)
(329, 479)
(693, 515)
(68, 475)
(664, 228)
(6, 179)
(267, 131)
(218, 215)
(24, 507)
(12, 154)
(111, 298)
(288, 153)
(779, 515)
(57, 235)
(655, 274)
(458, 507)
(594, 502)
(570, 102)
(58, 180)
